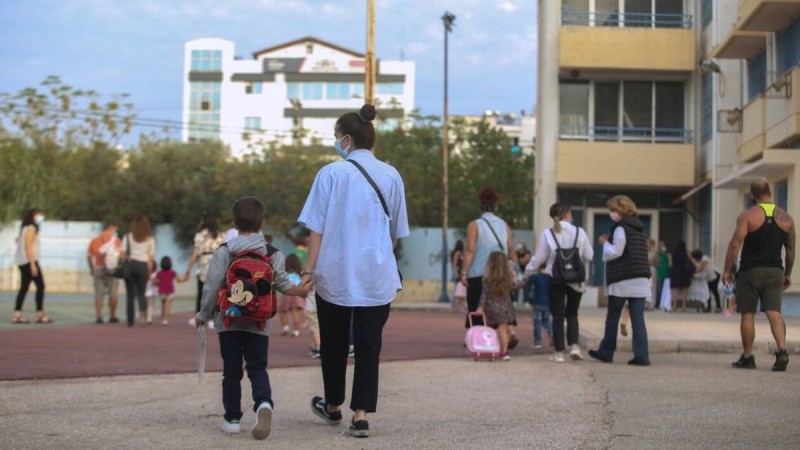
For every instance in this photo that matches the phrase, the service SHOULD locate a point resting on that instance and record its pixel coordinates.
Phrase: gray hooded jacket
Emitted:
(217, 269)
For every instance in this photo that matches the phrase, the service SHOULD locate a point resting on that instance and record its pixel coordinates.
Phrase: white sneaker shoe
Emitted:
(286, 330)
(575, 353)
(192, 322)
(263, 423)
(557, 357)
(232, 427)
(210, 324)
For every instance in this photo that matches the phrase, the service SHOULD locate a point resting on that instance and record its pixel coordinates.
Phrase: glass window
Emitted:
(606, 13)
(252, 123)
(669, 14)
(575, 12)
(606, 110)
(312, 91)
(707, 108)
(787, 47)
(637, 112)
(756, 75)
(669, 110)
(357, 89)
(574, 98)
(253, 87)
(639, 13)
(293, 91)
(782, 194)
(204, 96)
(707, 11)
(203, 126)
(390, 88)
(206, 60)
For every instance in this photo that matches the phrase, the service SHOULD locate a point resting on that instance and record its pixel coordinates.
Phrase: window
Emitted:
(787, 47)
(574, 98)
(252, 123)
(252, 87)
(606, 110)
(293, 91)
(782, 194)
(312, 91)
(704, 197)
(707, 105)
(756, 75)
(669, 13)
(343, 91)
(707, 12)
(206, 60)
(203, 126)
(638, 13)
(204, 96)
(637, 108)
(669, 113)
(626, 13)
(606, 13)
(390, 88)
(576, 12)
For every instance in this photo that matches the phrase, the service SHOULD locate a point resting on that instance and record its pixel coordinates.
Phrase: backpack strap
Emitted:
(374, 186)
(574, 244)
(495, 234)
(558, 247)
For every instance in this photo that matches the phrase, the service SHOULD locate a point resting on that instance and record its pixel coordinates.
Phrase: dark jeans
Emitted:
(609, 343)
(334, 330)
(564, 303)
(25, 283)
(713, 286)
(541, 318)
(659, 290)
(236, 346)
(135, 286)
(199, 295)
(474, 288)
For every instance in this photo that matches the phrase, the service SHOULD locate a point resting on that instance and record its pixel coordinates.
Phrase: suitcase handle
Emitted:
(469, 317)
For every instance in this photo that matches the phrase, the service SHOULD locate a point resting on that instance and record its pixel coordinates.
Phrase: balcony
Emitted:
(783, 114)
(767, 15)
(752, 138)
(602, 163)
(620, 42)
(740, 45)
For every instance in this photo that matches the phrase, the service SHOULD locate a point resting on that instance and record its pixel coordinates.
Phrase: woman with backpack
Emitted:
(565, 291)
(207, 239)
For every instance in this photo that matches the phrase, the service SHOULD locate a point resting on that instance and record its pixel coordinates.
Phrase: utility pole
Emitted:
(447, 21)
(369, 67)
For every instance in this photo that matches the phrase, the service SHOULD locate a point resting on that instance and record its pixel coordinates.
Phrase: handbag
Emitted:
(123, 269)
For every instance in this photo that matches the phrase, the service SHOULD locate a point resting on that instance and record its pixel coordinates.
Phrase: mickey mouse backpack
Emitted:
(246, 293)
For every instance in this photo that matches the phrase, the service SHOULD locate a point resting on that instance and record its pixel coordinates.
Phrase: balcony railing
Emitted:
(621, 19)
(626, 134)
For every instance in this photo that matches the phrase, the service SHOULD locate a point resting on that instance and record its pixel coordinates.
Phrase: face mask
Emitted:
(39, 219)
(339, 150)
(615, 216)
(571, 220)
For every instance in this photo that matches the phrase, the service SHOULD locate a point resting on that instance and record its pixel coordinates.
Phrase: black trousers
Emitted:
(474, 288)
(713, 286)
(334, 333)
(25, 284)
(135, 286)
(564, 303)
(199, 295)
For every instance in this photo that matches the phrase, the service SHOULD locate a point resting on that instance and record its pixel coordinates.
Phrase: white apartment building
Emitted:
(291, 93)
(679, 104)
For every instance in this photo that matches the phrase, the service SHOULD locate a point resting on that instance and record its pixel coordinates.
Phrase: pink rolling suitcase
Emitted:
(481, 341)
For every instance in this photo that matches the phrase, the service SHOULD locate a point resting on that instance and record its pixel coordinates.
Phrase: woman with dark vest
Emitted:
(627, 280)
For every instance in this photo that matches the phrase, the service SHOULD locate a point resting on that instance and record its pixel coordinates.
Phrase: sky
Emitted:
(136, 46)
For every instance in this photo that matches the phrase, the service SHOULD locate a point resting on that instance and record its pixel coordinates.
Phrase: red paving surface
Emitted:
(36, 351)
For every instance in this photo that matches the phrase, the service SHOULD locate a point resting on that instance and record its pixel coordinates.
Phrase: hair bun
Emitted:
(367, 113)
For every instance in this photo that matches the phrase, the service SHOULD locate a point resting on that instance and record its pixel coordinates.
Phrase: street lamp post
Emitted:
(447, 21)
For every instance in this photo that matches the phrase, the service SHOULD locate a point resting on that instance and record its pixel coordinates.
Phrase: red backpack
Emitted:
(247, 293)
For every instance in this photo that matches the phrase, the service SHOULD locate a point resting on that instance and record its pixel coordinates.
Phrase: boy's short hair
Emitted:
(248, 214)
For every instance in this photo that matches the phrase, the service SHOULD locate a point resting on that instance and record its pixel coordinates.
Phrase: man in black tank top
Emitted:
(762, 232)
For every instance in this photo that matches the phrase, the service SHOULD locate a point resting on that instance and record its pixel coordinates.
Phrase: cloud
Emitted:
(508, 7)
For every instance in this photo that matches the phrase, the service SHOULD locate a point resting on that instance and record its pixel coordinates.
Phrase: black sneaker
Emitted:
(596, 355)
(745, 362)
(320, 408)
(639, 362)
(781, 361)
(359, 428)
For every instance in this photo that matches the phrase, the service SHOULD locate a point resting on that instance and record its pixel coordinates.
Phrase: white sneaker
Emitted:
(575, 353)
(210, 325)
(295, 333)
(164, 322)
(285, 330)
(231, 427)
(557, 357)
(263, 423)
(192, 322)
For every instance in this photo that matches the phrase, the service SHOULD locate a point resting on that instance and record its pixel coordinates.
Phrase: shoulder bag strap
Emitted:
(495, 234)
(374, 186)
(577, 233)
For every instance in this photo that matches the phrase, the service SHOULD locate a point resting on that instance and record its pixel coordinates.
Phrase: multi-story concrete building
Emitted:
(635, 99)
(290, 93)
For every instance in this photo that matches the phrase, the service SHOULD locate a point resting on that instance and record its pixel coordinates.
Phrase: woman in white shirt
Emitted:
(565, 298)
(139, 247)
(627, 279)
(27, 259)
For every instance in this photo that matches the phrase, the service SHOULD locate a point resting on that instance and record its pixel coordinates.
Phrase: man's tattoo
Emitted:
(790, 242)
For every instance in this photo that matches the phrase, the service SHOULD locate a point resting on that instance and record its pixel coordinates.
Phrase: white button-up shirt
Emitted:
(356, 264)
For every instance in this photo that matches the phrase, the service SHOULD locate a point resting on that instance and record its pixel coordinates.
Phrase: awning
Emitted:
(740, 45)
(691, 192)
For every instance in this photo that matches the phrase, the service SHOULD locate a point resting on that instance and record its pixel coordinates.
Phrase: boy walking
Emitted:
(243, 340)
(540, 281)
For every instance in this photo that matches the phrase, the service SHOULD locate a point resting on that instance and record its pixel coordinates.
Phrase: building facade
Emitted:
(673, 103)
(289, 94)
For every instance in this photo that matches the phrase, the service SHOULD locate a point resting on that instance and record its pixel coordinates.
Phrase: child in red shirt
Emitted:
(165, 279)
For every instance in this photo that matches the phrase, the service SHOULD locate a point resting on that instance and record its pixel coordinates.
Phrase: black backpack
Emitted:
(568, 267)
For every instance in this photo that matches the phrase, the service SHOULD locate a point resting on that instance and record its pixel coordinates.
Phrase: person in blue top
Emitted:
(356, 211)
(540, 305)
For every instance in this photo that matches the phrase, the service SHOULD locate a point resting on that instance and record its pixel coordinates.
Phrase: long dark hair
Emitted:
(28, 219)
(458, 248)
(210, 223)
(140, 228)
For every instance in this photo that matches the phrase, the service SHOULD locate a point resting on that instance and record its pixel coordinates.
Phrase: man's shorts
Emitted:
(313, 321)
(765, 283)
(104, 283)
